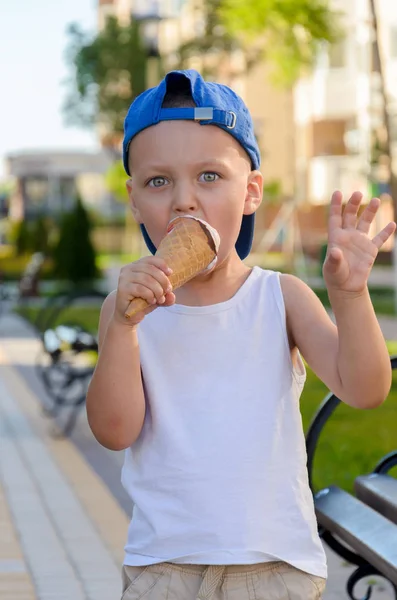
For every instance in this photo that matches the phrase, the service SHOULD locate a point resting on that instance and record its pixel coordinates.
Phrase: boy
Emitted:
(203, 393)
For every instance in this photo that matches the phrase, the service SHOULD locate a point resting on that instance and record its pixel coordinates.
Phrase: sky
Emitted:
(32, 68)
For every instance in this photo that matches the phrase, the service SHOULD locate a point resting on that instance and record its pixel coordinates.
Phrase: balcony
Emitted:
(332, 94)
(328, 137)
(329, 173)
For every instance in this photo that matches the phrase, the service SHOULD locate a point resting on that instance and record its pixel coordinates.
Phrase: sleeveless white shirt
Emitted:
(218, 474)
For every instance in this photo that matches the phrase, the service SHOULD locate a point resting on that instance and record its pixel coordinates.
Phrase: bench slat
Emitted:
(366, 531)
(380, 492)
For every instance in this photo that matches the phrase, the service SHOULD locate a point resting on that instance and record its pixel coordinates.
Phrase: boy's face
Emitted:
(183, 168)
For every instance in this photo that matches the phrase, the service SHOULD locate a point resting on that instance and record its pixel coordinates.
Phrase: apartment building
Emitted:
(316, 138)
(167, 24)
(338, 108)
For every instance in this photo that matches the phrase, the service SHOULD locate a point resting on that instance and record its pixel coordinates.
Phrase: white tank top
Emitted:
(218, 474)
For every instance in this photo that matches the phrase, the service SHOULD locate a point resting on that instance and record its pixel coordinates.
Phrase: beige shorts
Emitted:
(267, 581)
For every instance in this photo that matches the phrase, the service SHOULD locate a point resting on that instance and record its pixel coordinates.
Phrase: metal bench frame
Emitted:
(364, 569)
(50, 314)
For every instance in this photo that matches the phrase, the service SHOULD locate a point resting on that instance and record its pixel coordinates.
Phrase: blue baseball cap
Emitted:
(216, 104)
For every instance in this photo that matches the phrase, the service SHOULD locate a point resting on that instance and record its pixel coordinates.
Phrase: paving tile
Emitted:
(64, 551)
(15, 580)
(106, 514)
(40, 543)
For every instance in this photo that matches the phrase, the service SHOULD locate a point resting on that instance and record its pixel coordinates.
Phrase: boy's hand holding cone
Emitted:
(189, 248)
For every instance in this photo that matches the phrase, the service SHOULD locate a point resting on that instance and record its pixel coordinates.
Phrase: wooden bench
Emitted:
(370, 534)
(380, 492)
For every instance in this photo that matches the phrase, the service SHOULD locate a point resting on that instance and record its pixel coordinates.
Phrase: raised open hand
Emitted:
(351, 252)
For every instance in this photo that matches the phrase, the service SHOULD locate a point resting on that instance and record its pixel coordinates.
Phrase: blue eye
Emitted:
(209, 177)
(157, 182)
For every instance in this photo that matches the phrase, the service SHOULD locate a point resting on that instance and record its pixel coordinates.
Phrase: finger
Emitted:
(334, 259)
(349, 218)
(169, 299)
(138, 290)
(158, 262)
(335, 212)
(166, 300)
(152, 271)
(384, 235)
(152, 283)
(368, 215)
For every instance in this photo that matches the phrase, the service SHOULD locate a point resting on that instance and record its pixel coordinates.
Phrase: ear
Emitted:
(134, 209)
(254, 194)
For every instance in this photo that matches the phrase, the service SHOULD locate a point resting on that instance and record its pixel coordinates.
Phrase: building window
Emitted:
(328, 138)
(67, 192)
(363, 57)
(144, 8)
(36, 191)
(337, 55)
(177, 6)
(393, 41)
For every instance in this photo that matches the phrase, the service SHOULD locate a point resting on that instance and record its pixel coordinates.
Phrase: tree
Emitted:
(22, 237)
(74, 255)
(285, 33)
(32, 236)
(109, 70)
(385, 146)
(115, 181)
(212, 41)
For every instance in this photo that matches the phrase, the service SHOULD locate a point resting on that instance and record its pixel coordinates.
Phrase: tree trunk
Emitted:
(379, 67)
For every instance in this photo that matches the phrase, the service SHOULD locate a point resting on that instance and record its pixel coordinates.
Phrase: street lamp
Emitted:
(150, 28)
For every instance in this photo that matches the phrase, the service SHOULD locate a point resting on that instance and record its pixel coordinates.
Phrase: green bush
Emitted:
(32, 236)
(12, 267)
(42, 230)
(23, 238)
(74, 254)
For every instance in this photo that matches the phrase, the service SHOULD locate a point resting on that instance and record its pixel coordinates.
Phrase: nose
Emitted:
(184, 200)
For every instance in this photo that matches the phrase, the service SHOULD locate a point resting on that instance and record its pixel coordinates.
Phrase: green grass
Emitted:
(352, 442)
(104, 261)
(12, 267)
(382, 299)
(85, 316)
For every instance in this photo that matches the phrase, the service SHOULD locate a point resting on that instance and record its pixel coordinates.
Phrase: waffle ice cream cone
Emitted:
(189, 248)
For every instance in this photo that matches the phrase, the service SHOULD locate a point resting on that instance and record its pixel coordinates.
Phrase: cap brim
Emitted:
(246, 236)
(243, 244)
